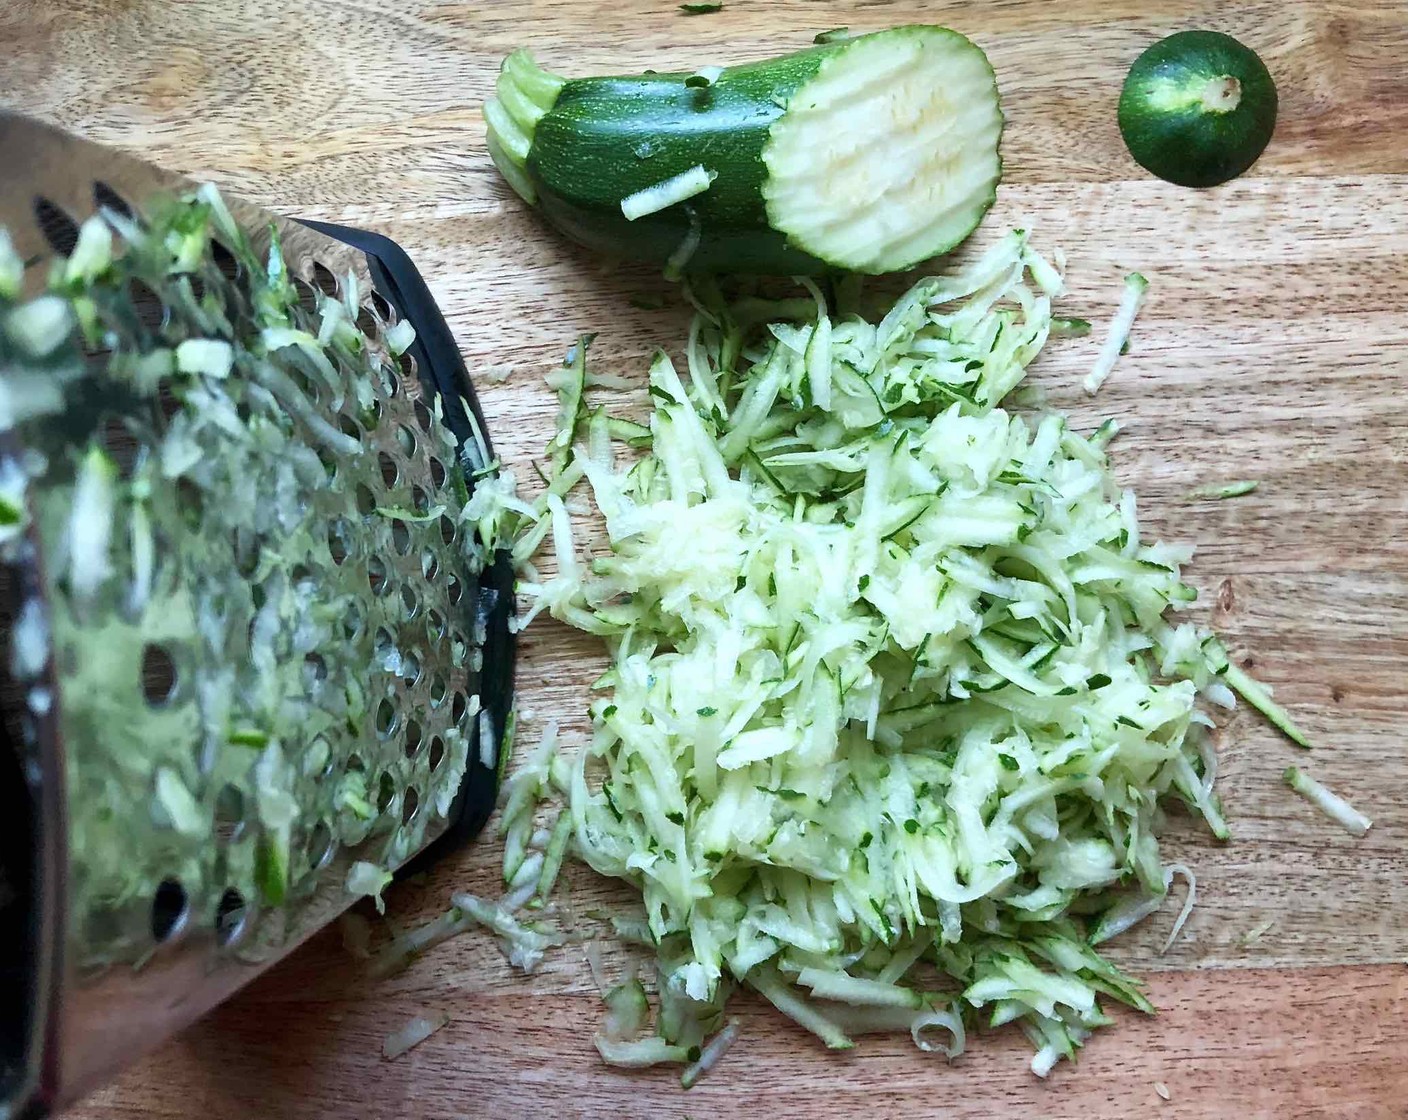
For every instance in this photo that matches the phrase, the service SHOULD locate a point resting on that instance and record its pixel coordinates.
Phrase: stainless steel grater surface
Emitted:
(252, 657)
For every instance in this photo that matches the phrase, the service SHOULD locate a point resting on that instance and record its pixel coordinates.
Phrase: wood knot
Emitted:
(1226, 598)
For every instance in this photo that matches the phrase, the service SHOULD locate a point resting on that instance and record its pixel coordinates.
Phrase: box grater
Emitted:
(251, 658)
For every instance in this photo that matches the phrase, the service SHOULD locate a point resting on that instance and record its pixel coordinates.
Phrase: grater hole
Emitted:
(309, 386)
(410, 668)
(390, 472)
(413, 738)
(400, 537)
(170, 908)
(447, 529)
(409, 805)
(122, 448)
(382, 644)
(229, 812)
(190, 501)
(105, 196)
(406, 439)
(437, 753)
(355, 765)
(437, 472)
(147, 305)
(429, 565)
(338, 533)
(376, 575)
(408, 365)
(329, 461)
(96, 358)
(307, 295)
(315, 759)
(410, 601)
(366, 321)
(349, 427)
(315, 671)
(380, 307)
(435, 624)
(58, 229)
(351, 623)
(385, 792)
(244, 547)
(420, 500)
(385, 718)
(168, 404)
(459, 706)
(459, 648)
(386, 378)
(423, 416)
(437, 691)
(366, 500)
(158, 675)
(230, 916)
(455, 589)
(321, 846)
(225, 260)
(324, 280)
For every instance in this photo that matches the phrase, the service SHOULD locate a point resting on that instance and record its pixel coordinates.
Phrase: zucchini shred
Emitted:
(895, 706)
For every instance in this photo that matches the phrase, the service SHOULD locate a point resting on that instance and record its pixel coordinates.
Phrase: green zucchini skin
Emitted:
(1169, 128)
(605, 138)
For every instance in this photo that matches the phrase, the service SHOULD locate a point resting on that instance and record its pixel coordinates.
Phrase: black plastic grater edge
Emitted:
(442, 371)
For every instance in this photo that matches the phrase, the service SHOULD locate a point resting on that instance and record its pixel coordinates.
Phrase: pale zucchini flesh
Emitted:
(889, 156)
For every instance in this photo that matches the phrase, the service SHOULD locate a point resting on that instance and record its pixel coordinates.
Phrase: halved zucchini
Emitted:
(869, 154)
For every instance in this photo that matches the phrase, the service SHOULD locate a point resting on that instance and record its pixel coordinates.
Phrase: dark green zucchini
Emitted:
(1197, 108)
(869, 154)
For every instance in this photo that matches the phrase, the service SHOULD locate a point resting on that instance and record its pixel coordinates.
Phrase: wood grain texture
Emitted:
(1223, 1047)
(1274, 346)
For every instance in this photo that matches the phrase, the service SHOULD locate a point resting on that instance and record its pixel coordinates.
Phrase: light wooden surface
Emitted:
(1274, 346)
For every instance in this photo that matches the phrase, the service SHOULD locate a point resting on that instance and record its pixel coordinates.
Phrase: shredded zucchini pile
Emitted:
(893, 683)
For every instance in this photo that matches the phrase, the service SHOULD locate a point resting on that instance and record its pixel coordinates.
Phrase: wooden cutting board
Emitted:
(1274, 346)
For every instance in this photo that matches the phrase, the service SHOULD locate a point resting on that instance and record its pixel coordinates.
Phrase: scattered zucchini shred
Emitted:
(678, 188)
(911, 694)
(413, 1034)
(1117, 341)
(1332, 805)
(1219, 491)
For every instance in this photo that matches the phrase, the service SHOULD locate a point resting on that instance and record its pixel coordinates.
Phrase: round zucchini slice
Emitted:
(1197, 108)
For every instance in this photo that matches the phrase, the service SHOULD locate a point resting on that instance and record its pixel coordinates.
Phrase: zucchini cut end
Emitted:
(889, 155)
(524, 93)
